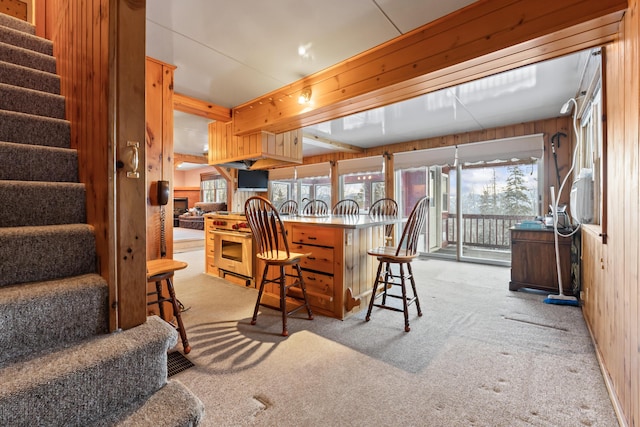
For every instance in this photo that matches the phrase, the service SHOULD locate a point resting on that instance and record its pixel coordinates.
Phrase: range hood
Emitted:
(240, 164)
(262, 150)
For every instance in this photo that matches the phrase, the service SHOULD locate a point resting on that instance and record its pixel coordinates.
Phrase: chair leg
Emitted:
(303, 286)
(176, 312)
(159, 295)
(405, 305)
(255, 310)
(375, 289)
(415, 292)
(283, 301)
(387, 275)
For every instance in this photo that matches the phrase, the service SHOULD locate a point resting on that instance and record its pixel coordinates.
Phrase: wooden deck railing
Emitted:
(488, 231)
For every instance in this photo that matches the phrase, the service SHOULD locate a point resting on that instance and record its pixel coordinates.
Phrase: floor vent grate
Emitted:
(177, 363)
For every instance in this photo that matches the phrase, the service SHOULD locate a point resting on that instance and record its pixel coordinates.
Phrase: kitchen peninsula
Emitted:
(338, 274)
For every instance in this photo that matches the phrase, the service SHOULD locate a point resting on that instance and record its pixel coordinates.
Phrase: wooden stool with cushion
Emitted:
(273, 249)
(405, 252)
(157, 271)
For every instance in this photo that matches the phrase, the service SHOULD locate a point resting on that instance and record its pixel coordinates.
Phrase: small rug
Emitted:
(176, 363)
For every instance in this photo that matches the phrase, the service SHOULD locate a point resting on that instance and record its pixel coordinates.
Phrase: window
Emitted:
(364, 188)
(280, 192)
(213, 188)
(590, 154)
(362, 180)
(301, 183)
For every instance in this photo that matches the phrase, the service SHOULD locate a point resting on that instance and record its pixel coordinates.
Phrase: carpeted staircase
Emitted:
(59, 365)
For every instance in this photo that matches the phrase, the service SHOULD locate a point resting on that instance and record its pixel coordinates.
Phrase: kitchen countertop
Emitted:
(341, 221)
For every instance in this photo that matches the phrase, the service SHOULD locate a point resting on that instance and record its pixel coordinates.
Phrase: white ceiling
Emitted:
(229, 53)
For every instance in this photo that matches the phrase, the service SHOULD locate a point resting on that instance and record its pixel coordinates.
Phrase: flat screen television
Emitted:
(256, 180)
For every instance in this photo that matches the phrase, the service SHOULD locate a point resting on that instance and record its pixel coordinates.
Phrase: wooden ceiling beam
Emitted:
(434, 56)
(190, 158)
(190, 105)
(596, 33)
(334, 144)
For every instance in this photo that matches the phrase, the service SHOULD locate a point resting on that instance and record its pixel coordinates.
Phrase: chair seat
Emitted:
(281, 258)
(388, 254)
(163, 265)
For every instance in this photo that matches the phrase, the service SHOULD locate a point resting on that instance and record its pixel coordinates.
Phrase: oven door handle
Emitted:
(233, 234)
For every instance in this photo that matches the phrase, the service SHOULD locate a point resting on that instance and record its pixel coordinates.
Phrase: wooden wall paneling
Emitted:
(631, 296)
(159, 152)
(167, 151)
(153, 148)
(80, 32)
(610, 271)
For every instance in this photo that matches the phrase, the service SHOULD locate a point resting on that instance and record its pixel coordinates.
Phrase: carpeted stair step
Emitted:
(37, 203)
(32, 254)
(35, 130)
(172, 405)
(16, 24)
(17, 75)
(27, 58)
(89, 381)
(21, 100)
(38, 163)
(51, 314)
(26, 41)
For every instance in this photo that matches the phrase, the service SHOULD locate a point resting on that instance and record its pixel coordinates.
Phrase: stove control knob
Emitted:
(235, 226)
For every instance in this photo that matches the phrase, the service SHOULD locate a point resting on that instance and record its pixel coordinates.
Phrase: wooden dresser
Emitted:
(533, 261)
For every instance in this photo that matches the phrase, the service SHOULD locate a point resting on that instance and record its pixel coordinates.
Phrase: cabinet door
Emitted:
(533, 261)
(209, 246)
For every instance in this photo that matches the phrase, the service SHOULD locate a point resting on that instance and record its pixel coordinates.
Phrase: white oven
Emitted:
(233, 252)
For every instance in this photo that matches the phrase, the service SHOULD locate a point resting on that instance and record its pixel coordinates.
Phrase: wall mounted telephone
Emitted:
(163, 192)
(163, 199)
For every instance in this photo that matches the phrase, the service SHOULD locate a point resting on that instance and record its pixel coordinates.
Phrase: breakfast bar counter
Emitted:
(338, 274)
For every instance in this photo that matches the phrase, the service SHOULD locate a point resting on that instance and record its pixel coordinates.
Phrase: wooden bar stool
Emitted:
(273, 248)
(157, 271)
(402, 255)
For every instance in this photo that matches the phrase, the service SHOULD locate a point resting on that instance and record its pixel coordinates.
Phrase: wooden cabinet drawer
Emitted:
(321, 259)
(209, 265)
(312, 235)
(318, 282)
(317, 299)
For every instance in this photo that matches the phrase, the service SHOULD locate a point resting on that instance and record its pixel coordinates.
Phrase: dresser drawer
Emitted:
(321, 259)
(312, 235)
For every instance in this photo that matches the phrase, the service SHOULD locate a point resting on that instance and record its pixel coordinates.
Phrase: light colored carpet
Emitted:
(479, 356)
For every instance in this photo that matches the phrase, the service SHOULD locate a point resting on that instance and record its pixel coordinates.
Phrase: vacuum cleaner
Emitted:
(561, 298)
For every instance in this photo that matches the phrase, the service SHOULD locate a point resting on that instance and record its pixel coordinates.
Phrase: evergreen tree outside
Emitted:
(516, 200)
(489, 199)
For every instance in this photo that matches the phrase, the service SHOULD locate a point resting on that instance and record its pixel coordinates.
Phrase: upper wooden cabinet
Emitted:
(265, 149)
